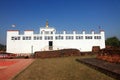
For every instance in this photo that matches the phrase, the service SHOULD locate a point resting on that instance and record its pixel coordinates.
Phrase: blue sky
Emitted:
(62, 14)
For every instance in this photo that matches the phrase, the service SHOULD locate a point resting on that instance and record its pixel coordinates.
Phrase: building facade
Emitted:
(49, 39)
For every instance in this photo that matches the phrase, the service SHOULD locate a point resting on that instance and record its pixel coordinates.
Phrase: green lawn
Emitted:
(65, 68)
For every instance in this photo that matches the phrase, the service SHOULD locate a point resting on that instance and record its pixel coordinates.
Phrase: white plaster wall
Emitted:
(30, 46)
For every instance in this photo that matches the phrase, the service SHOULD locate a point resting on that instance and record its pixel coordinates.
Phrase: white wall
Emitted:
(30, 46)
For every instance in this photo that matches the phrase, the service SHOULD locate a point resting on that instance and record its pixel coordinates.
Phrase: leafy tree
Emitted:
(2, 47)
(112, 41)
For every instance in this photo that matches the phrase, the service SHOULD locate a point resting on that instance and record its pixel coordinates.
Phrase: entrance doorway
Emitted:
(50, 45)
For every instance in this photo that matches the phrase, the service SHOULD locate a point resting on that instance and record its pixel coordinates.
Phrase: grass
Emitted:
(65, 68)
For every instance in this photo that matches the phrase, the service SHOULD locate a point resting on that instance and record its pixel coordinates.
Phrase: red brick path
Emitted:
(6, 62)
(8, 72)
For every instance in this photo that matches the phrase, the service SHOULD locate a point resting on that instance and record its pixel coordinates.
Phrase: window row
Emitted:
(79, 37)
(88, 37)
(18, 38)
(15, 38)
(97, 37)
(48, 37)
(26, 37)
(59, 37)
(37, 37)
(69, 37)
(56, 37)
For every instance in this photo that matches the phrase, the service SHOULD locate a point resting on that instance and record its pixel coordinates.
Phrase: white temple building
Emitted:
(49, 39)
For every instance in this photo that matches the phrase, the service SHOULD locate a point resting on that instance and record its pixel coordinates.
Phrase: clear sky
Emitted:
(62, 14)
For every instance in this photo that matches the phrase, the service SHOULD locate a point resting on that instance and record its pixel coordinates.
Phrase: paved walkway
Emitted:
(111, 69)
(8, 72)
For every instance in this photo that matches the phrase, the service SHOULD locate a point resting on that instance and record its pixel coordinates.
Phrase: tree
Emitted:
(2, 47)
(112, 41)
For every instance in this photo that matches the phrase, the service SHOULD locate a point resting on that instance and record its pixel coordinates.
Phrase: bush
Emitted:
(112, 41)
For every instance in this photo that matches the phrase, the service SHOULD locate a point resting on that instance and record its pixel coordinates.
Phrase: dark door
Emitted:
(50, 45)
